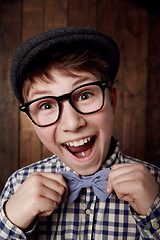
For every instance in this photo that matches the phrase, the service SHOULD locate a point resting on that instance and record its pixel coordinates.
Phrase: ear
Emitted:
(114, 98)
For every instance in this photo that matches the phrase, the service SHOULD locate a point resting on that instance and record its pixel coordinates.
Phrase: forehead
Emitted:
(71, 65)
(57, 82)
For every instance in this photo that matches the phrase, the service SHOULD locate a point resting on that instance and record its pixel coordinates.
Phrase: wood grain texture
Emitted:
(134, 25)
(32, 23)
(9, 114)
(152, 153)
(136, 76)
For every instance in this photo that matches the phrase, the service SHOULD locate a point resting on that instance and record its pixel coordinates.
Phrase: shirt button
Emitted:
(155, 226)
(88, 211)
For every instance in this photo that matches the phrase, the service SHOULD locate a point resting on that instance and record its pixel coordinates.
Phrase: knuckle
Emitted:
(59, 199)
(48, 213)
(141, 167)
(36, 178)
(55, 205)
(62, 182)
(141, 172)
(111, 175)
(61, 189)
(60, 177)
(114, 166)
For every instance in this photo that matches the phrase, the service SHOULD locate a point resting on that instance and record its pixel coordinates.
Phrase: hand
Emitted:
(39, 195)
(133, 182)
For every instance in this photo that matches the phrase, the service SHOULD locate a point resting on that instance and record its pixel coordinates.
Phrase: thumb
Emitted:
(109, 186)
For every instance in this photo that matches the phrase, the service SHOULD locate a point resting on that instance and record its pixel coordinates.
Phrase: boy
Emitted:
(64, 79)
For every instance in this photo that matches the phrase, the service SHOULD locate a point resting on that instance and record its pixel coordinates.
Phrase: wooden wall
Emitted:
(136, 27)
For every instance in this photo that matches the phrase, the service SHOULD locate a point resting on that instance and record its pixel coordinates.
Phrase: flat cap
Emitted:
(44, 44)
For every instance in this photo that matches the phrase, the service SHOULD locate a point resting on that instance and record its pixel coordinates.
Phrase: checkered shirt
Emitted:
(87, 218)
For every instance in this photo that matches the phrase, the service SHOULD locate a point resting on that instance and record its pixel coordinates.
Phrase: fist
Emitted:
(39, 195)
(133, 182)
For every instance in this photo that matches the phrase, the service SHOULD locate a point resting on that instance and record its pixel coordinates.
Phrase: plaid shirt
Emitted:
(87, 218)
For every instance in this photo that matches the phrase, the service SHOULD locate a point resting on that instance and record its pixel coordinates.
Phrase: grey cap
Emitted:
(45, 44)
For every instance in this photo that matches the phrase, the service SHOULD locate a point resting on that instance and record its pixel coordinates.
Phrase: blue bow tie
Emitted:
(98, 182)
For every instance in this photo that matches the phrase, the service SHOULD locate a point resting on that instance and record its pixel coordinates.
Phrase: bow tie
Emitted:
(98, 182)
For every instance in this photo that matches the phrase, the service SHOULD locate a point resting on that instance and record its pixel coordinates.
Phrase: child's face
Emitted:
(95, 129)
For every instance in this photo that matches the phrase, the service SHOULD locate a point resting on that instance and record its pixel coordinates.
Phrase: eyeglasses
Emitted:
(85, 99)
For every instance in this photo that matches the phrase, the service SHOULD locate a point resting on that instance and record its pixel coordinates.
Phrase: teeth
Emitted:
(79, 143)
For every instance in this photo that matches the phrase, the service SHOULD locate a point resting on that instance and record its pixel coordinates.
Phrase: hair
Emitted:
(67, 62)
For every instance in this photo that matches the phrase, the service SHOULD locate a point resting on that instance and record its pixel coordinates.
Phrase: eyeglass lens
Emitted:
(86, 99)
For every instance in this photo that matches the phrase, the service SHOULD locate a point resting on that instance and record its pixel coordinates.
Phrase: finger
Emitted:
(120, 173)
(51, 194)
(123, 190)
(65, 186)
(54, 185)
(54, 181)
(129, 172)
(123, 177)
(117, 177)
(54, 176)
(109, 185)
(122, 165)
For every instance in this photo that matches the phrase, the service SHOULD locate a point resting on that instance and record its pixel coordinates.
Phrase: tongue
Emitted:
(82, 148)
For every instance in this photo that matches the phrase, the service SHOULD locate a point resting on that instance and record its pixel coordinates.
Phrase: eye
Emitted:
(45, 106)
(84, 96)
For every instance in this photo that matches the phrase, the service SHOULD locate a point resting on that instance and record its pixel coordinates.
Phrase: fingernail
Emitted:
(108, 189)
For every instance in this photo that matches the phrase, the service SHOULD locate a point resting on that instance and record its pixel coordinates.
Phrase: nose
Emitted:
(70, 119)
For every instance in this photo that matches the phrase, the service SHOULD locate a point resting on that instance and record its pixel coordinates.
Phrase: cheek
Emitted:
(46, 135)
(106, 130)
(105, 124)
(105, 120)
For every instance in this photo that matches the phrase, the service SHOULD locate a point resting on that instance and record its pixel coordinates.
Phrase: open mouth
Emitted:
(81, 148)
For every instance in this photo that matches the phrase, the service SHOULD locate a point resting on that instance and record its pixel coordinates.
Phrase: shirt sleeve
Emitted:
(7, 229)
(149, 226)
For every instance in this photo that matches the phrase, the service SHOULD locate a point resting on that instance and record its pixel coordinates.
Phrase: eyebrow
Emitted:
(40, 93)
(82, 80)
(79, 80)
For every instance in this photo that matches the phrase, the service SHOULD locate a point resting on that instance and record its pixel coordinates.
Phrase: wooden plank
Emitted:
(110, 17)
(136, 53)
(127, 22)
(9, 119)
(55, 13)
(32, 19)
(112, 21)
(30, 145)
(153, 104)
(82, 13)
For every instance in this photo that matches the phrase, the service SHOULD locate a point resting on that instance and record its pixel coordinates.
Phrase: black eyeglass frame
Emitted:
(102, 84)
